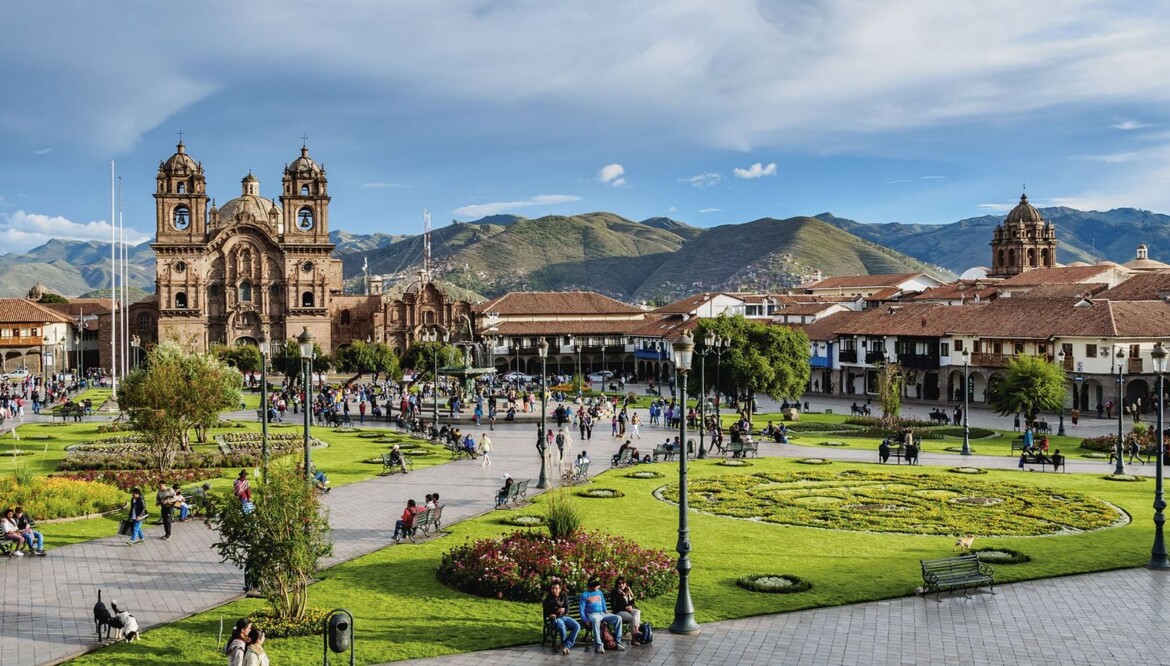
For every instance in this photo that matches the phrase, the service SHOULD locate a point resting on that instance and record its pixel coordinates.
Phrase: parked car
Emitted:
(516, 376)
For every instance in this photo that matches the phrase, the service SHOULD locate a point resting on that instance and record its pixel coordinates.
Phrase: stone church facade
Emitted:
(259, 266)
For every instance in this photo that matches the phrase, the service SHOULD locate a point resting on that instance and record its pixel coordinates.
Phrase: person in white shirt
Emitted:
(485, 449)
(11, 532)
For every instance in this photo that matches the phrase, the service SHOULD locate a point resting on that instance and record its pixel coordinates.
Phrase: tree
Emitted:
(889, 384)
(53, 298)
(420, 357)
(286, 359)
(773, 360)
(367, 358)
(245, 358)
(177, 392)
(279, 543)
(1032, 385)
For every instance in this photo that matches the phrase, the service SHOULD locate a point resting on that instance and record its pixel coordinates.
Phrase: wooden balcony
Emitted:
(991, 360)
(27, 341)
(1135, 366)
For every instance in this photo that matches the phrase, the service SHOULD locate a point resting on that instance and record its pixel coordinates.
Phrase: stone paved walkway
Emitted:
(47, 616)
(1113, 618)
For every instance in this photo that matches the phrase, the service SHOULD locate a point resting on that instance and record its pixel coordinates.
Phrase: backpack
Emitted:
(647, 632)
(607, 638)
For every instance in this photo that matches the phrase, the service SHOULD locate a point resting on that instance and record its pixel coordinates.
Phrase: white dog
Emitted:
(124, 624)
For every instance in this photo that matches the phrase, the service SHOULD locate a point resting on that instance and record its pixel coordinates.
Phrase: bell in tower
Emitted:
(180, 198)
(306, 200)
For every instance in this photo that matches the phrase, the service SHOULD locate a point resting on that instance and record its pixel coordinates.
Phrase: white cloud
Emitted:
(42, 151)
(480, 210)
(1128, 125)
(385, 186)
(709, 210)
(672, 209)
(997, 207)
(612, 175)
(911, 180)
(22, 231)
(708, 179)
(1114, 158)
(756, 170)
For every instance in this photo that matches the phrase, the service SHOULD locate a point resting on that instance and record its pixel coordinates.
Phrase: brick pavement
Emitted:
(1112, 618)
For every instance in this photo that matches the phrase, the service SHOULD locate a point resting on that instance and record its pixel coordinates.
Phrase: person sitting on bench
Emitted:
(396, 459)
(502, 494)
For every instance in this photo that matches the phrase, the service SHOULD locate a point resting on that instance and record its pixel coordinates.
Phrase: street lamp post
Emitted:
(684, 610)
(135, 343)
(305, 341)
(1120, 467)
(709, 342)
(721, 345)
(264, 455)
(1158, 557)
(966, 402)
(541, 442)
(1060, 414)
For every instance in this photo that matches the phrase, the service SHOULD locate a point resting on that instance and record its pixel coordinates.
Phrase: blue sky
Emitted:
(707, 111)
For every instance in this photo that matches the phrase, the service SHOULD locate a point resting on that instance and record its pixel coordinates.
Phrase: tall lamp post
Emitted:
(305, 341)
(684, 610)
(1120, 467)
(1158, 558)
(541, 442)
(721, 345)
(966, 402)
(135, 344)
(710, 345)
(264, 456)
(1060, 413)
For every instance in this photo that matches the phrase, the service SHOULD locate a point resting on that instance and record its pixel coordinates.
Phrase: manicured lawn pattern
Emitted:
(902, 503)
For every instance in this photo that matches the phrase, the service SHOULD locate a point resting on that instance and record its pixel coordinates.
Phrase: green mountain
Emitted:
(1087, 236)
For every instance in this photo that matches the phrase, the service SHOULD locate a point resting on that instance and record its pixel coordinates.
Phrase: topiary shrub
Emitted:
(644, 474)
(993, 555)
(601, 493)
(561, 514)
(774, 583)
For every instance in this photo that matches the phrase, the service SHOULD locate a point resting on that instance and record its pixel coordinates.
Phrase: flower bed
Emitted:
(734, 462)
(50, 498)
(309, 625)
(94, 460)
(1130, 478)
(957, 449)
(832, 444)
(967, 470)
(993, 555)
(12, 453)
(645, 474)
(141, 478)
(909, 503)
(518, 566)
(957, 431)
(814, 461)
(601, 493)
(815, 426)
(774, 583)
(523, 520)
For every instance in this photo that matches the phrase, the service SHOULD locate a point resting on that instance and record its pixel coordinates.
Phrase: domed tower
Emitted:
(180, 199)
(1023, 242)
(306, 201)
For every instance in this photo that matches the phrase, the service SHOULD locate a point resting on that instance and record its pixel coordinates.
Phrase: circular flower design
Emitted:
(967, 470)
(774, 583)
(832, 444)
(601, 493)
(906, 503)
(644, 474)
(1001, 556)
(1124, 477)
(814, 461)
(734, 462)
(523, 520)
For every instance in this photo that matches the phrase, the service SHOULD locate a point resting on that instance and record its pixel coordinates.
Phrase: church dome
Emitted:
(250, 206)
(38, 291)
(304, 165)
(180, 162)
(1023, 213)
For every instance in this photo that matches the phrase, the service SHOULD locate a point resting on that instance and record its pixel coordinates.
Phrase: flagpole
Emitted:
(122, 277)
(113, 279)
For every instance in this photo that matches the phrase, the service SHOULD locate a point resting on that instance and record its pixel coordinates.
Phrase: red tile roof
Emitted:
(688, 304)
(1144, 287)
(555, 302)
(862, 281)
(965, 290)
(1059, 275)
(24, 311)
(570, 327)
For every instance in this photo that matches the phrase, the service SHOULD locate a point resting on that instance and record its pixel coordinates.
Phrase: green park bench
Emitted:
(964, 572)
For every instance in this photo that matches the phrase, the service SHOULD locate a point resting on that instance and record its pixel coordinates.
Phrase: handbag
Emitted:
(125, 527)
(607, 638)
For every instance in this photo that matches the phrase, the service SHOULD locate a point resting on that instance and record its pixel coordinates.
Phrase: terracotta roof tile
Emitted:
(805, 308)
(24, 311)
(827, 328)
(598, 327)
(1145, 287)
(688, 304)
(965, 290)
(1059, 275)
(1075, 291)
(555, 302)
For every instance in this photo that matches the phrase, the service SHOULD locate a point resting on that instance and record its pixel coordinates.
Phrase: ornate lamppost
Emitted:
(712, 344)
(684, 610)
(264, 455)
(1158, 557)
(541, 442)
(305, 342)
(1119, 356)
(966, 402)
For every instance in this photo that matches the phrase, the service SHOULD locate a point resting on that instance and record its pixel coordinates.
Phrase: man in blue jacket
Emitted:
(594, 611)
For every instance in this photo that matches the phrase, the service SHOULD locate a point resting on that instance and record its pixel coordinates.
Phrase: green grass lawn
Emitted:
(403, 612)
(343, 460)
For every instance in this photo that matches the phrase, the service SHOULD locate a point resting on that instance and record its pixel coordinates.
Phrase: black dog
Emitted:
(101, 617)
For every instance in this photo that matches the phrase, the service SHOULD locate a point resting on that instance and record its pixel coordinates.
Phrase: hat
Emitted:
(507, 476)
(593, 582)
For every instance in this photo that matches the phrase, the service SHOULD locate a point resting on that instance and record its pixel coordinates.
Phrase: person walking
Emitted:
(485, 449)
(635, 421)
(164, 499)
(137, 515)
(255, 654)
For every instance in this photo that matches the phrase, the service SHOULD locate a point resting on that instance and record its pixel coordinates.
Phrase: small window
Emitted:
(1090, 351)
(945, 348)
(213, 292)
(958, 345)
(345, 317)
(34, 333)
(181, 300)
(143, 323)
(304, 190)
(182, 188)
(307, 299)
(245, 292)
(1019, 348)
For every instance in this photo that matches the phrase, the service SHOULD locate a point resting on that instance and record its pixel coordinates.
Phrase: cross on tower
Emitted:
(304, 141)
(180, 133)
